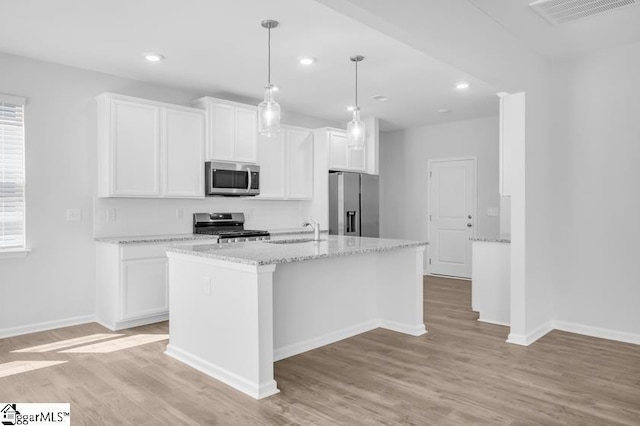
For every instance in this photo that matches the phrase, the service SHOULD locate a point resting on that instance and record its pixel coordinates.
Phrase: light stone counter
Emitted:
(267, 253)
(150, 239)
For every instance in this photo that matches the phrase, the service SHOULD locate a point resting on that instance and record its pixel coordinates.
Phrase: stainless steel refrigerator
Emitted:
(354, 200)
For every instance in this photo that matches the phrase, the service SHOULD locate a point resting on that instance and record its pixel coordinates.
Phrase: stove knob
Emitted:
(247, 239)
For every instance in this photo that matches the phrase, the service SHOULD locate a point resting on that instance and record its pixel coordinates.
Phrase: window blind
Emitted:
(12, 179)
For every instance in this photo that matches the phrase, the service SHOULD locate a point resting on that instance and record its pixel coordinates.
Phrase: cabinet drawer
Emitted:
(143, 251)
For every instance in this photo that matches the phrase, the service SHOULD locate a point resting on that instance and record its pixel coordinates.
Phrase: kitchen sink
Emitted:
(292, 241)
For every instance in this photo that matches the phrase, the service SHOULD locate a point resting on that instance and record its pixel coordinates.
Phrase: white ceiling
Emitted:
(612, 28)
(219, 48)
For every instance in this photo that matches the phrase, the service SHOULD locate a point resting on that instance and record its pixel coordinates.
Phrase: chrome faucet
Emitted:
(316, 228)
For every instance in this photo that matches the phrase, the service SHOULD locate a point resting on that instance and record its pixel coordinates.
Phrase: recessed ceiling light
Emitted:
(153, 57)
(444, 111)
(307, 60)
(275, 88)
(462, 85)
(350, 108)
(380, 98)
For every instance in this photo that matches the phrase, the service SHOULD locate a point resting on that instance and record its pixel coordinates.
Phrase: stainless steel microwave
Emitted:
(231, 179)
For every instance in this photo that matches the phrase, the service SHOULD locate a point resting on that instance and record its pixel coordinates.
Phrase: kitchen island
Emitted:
(236, 308)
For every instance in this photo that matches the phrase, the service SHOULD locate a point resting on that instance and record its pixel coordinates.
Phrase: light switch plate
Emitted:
(74, 215)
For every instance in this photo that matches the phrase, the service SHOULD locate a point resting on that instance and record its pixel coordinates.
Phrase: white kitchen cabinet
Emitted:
(512, 137)
(149, 149)
(183, 144)
(132, 283)
(272, 160)
(286, 165)
(490, 281)
(340, 156)
(232, 130)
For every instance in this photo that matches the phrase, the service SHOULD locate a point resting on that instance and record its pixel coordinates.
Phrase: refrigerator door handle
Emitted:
(352, 221)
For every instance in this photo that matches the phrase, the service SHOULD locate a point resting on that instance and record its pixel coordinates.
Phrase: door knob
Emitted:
(469, 225)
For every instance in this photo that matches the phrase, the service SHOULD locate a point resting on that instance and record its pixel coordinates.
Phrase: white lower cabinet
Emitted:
(286, 165)
(144, 287)
(133, 283)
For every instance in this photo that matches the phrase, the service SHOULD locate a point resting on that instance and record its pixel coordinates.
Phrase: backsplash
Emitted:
(114, 217)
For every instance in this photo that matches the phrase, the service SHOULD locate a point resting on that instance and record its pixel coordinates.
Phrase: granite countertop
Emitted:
(148, 239)
(293, 231)
(494, 239)
(264, 253)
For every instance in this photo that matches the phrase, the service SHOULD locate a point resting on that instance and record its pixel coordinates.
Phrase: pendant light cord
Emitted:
(356, 84)
(269, 60)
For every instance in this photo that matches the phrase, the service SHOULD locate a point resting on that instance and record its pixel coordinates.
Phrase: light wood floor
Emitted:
(461, 372)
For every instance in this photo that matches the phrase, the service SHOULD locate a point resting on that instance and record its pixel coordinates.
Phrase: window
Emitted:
(12, 226)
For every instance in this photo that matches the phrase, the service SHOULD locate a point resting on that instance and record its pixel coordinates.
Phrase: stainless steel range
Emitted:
(229, 227)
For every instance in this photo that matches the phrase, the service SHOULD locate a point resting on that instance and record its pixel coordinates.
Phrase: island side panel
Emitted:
(221, 321)
(399, 290)
(321, 301)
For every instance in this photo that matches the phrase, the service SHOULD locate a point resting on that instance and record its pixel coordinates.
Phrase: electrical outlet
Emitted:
(112, 215)
(74, 215)
(493, 211)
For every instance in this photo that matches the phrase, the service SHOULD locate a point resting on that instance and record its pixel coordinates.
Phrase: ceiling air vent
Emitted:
(558, 12)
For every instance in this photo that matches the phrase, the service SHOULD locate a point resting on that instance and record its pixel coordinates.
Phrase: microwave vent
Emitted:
(559, 12)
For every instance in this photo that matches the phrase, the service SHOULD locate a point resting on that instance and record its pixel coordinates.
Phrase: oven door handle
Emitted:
(249, 185)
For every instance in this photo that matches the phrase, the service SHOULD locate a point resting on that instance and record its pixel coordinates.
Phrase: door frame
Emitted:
(474, 207)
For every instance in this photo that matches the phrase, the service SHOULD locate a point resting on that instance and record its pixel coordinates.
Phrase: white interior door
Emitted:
(452, 192)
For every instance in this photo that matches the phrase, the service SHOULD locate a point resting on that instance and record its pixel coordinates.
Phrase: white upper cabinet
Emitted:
(149, 149)
(299, 164)
(184, 133)
(340, 156)
(271, 158)
(512, 137)
(286, 165)
(232, 130)
(134, 149)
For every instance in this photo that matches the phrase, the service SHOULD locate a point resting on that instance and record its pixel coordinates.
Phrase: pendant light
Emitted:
(355, 128)
(269, 110)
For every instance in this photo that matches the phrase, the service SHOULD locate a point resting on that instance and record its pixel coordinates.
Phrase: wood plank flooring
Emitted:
(460, 373)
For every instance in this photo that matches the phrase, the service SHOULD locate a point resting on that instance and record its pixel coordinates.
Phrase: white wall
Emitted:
(55, 283)
(404, 156)
(461, 35)
(596, 171)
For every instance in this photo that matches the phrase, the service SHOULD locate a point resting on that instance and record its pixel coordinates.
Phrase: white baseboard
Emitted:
(45, 326)
(526, 340)
(237, 382)
(451, 277)
(602, 333)
(505, 324)
(412, 330)
(325, 339)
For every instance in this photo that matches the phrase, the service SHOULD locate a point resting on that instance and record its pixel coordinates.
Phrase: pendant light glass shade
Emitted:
(355, 128)
(269, 109)
(268, 114)
(355, 131)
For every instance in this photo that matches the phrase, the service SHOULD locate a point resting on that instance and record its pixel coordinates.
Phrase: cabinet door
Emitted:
(221, 132)
(184, 153)
(357, 159)
(338, 158)
(135, 149)
(271, 157)
(299, 164)
(246, 134)
(145, 289)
